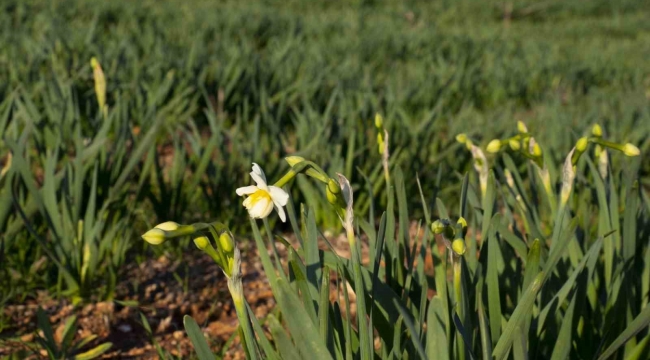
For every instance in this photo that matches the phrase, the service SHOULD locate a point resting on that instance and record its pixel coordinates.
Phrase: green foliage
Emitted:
(67, 347)
(197, 90)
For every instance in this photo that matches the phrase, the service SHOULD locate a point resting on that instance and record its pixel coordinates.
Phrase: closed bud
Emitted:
(581, 145)
(167, 226)
(461, 138)
(154, 236)
(537, 151)
(379, 121)
(294, 160)
(458, 245)
(437, 227)
(597, 131)
(521, 127)
(157, 235)
(202, 242)
(515, 145)
(494, 146)
(226, 243)
(333, 186)
(631, 150)
(463, 223)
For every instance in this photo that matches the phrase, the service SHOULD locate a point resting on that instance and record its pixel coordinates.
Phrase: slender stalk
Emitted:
(366, 350)
(458, 294)
(237, 293)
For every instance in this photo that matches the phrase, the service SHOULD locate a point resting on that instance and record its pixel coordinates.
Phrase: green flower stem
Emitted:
(458, 294)
(237, 293)
(285, 179)
(366, 350)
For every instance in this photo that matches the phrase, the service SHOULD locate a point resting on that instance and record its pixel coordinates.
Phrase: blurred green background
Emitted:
(197, 90)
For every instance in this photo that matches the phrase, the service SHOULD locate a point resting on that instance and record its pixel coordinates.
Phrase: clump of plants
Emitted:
(535, 261)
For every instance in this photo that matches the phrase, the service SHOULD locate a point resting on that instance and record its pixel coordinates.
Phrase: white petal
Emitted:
(261, 209)
(258, 170)
(246, 190)
(278, 195)
(260, 181)
(281, 213)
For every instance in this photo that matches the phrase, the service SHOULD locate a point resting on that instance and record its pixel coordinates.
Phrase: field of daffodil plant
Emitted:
(444, 228)
(523, 272)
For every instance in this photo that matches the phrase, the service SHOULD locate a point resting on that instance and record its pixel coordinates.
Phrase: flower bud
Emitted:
(463, 223)
(597, 131)
(461, 138)
(458, 245)
(154, 236)
(521, 127)
(631, 150)
(437, 227)
(494, 146)
(157, 235)
(581, 145)
(202, 242)
(379, 121)
(537, 151)
(167, 226)
(515, 145)
(226, 242)
(294, 160)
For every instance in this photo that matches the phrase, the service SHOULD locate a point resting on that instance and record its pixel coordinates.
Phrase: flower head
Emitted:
(262, 197)
(157, 235)
(631, 150)
(494, 146)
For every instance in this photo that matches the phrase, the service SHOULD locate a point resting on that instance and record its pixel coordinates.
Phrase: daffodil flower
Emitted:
(262, 197)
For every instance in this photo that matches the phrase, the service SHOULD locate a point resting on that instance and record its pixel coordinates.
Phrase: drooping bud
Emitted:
(521, 127)
(157, 235)
(461, 138)
(494, 146)
(226, 242)
(536, 150)
(631, 150)
(581, 146)
(463, 224)
(154, 236)
(202, 242)
(379, 121)
(515, 145)
(437, 227)
(597, 131)
(458, 245)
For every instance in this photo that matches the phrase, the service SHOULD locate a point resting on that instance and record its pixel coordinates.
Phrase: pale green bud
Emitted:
(154, 236)
(458, 245)
(202, 242)
(631, 150)
(494, 146)
(157, 235)
(515, 145)
(226, 243)
(437, 227)
(521, 127)
(581, 145)
(379, 121)
(461, 138)
(537, 150)
(463, 223)
(597, 131)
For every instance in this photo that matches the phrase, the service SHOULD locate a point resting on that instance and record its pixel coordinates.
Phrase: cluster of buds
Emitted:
(333, 188)
(523, 143)
(597, 138)
(453, 235)
(225, 254)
